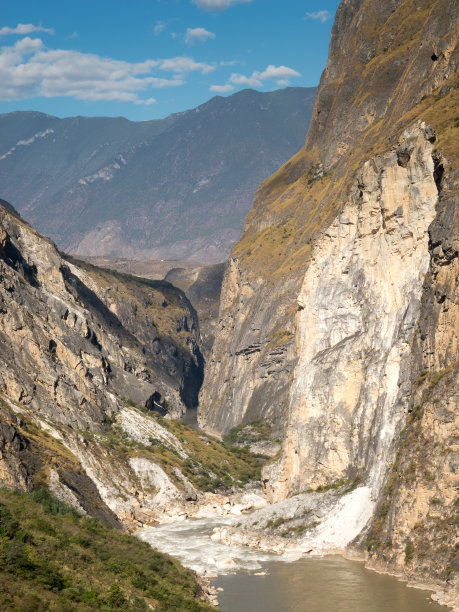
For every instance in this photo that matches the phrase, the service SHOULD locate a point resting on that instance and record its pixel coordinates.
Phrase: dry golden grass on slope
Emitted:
(368, 103)
(299, 210)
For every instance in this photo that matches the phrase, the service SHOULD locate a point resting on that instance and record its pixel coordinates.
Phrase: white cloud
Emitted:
(218, 5)
(194, 35)
(322, 16)
(182, 65)
(147, 102)
(229, 63)
(277, 72)
(29, 69)
(281, 74)
(221, 88)
(159, 27)
(240, 79)
(24, 28)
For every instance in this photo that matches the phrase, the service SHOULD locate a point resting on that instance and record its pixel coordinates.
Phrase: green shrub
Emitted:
(50, 561)
(409, 551)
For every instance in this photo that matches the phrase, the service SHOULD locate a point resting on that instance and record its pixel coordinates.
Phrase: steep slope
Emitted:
(201, 283)
(175, 188)
(103, 332)
(89, 358)
(46, 549)
(202, 286)
(328, 307)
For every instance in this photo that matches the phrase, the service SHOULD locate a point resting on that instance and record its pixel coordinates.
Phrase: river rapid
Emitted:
(249, 580)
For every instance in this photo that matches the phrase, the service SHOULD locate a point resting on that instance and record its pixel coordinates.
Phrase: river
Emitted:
(253, 581)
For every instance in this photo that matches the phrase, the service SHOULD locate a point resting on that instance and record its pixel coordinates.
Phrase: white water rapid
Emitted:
(191, 542)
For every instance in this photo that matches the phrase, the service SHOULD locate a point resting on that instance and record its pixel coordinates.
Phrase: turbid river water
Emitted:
(260, 582)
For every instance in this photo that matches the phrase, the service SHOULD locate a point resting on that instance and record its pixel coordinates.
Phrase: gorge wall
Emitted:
(338, 317)
(88, 358)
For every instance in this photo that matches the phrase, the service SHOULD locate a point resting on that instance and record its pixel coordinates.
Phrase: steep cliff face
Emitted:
(386, 60)
(345, 246)
(415, 527)
(74, 336)
(82, 352)
(358, 306)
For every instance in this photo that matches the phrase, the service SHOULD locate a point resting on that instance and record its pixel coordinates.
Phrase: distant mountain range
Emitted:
(176, 188)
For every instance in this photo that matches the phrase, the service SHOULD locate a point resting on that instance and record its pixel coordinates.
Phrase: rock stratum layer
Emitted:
(339, 313)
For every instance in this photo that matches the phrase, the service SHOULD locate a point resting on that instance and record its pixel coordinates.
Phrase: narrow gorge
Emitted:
(326, 385)
(339, 313)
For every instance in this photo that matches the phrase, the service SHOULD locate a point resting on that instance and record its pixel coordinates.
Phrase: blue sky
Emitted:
(145, 59)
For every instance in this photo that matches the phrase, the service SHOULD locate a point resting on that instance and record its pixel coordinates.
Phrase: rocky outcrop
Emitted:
(77, 337)
(30, 457)
(415, 529)
(344, 248)
(248, 372)
(358, 306)
(82, 352)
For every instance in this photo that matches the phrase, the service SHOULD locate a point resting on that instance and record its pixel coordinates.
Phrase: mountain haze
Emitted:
(175, 188)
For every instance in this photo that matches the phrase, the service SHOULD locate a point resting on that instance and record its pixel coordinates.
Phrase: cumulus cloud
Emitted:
(218, 5)
(278, 72)
(195, 35)
(221, 88)
(240, 79)
(281, 74)
(29, 69)
(322, 16)
(24, 28)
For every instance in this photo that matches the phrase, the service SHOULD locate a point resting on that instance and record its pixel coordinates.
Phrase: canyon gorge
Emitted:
(326, 386)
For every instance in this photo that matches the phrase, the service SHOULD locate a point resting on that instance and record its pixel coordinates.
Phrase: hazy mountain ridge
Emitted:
(173, 188)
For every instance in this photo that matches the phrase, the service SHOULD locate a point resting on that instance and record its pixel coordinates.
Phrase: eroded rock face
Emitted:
(78, 345)
(248, 353)
(358, 306)
(414, 530)
(72, 341)
(348, 260)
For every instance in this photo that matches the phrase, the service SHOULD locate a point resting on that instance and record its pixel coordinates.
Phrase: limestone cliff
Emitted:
(341, 290)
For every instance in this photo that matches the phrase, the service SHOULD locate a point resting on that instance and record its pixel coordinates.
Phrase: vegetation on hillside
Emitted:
(53, 559)
(210, 464)
(166, 305)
